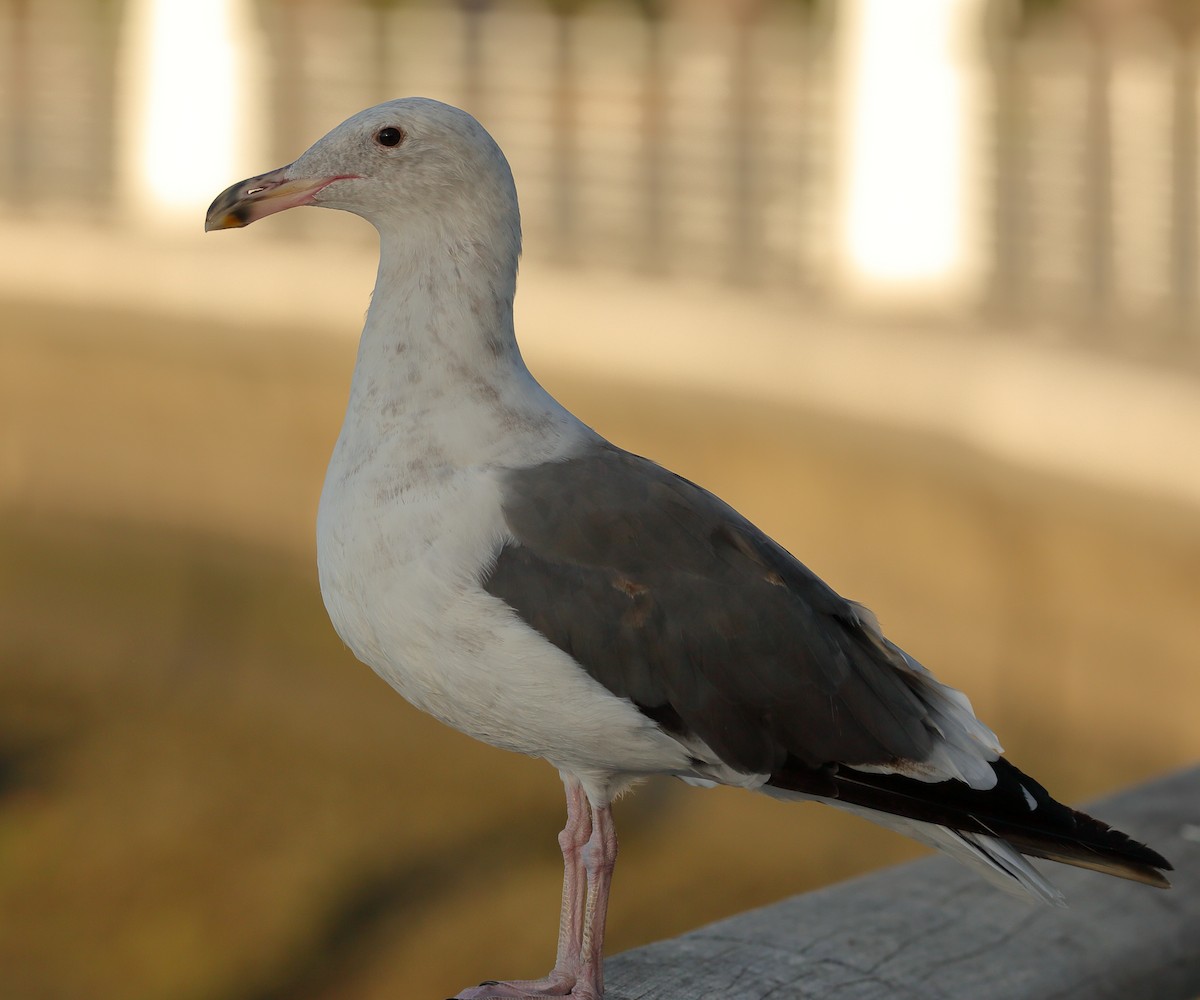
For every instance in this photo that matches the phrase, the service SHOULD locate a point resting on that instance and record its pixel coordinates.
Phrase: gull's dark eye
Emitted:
(389, 136)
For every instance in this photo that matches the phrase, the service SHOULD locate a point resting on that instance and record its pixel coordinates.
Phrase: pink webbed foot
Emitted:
(525, 989)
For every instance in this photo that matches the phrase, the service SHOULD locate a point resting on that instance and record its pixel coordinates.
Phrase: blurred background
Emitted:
(912, 285)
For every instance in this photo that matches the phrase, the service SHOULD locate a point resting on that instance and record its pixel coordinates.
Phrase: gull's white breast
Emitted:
(405, 535)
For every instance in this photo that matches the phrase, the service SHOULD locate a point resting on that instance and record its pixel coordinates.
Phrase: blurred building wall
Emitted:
(58, 101)
(1094, 172)
(713, 140)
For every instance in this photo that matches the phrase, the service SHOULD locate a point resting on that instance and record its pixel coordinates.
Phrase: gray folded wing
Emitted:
(670, 598)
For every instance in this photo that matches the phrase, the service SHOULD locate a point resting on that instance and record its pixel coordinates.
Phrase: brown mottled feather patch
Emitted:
(629, 588)
(637, 615)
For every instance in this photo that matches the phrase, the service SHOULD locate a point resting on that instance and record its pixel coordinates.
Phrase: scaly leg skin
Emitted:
(600, 859)
(576, 841)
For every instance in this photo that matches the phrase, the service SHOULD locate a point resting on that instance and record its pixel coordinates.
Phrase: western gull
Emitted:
(511, 572)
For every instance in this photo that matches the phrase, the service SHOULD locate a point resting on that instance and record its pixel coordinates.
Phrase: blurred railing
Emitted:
(58, 127)
(1094, 172)
(660, 137)
(702, 139)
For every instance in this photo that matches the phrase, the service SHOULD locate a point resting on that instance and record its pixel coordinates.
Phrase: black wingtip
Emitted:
(1111, 862)
(1017, 809)
(1086, 842)
(1075, 838)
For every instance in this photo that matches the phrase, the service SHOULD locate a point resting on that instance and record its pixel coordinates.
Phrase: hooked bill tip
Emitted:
(234, 219)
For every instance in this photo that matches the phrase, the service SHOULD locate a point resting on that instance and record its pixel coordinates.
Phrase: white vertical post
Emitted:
(191, 107)
(909, 208)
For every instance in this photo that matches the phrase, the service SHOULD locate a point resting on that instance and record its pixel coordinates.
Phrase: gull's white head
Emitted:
(410, 167)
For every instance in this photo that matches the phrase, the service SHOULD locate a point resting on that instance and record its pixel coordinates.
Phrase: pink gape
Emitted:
(589, 848)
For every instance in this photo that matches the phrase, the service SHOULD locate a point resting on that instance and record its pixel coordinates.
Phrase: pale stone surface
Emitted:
(933, 930)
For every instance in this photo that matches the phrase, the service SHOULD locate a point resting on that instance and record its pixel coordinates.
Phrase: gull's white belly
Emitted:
(400, 573)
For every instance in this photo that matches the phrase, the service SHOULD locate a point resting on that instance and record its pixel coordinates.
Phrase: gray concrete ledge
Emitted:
(933, 930)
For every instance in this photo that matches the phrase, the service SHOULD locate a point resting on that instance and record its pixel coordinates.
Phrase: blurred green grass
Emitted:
(202, 795)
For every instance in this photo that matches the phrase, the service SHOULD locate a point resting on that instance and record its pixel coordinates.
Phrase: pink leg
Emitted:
(600, 858)
(573, 840)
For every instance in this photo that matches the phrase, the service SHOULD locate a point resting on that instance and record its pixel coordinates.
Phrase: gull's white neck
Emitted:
(439, 370)
(441, 302)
